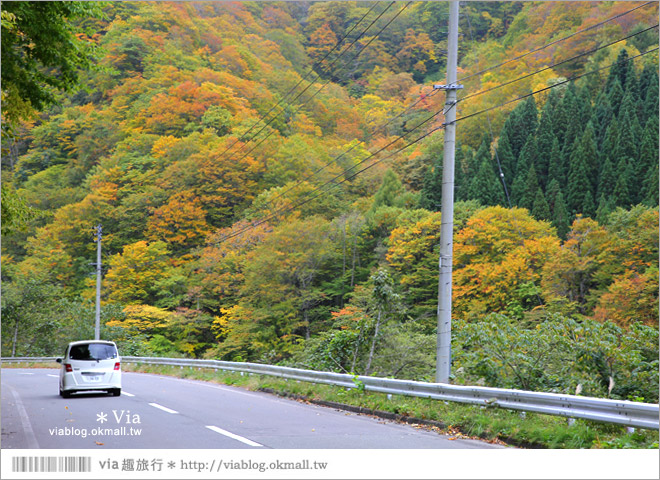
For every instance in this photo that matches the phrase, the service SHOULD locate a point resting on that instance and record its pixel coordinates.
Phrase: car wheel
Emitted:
(65, 394)
(116, 392)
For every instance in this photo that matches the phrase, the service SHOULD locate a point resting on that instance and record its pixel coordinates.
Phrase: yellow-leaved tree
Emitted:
(134, 274)
(498, 259)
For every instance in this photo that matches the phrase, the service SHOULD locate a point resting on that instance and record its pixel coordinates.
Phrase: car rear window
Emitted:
(92, 351)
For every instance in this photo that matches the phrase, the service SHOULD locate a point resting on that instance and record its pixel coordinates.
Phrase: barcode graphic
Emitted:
(51, 464)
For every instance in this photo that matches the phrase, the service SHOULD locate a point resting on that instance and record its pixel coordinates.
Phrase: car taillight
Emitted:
(117, 365)
(67, 367)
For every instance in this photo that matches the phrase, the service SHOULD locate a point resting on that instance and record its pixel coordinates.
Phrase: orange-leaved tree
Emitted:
(181, 222)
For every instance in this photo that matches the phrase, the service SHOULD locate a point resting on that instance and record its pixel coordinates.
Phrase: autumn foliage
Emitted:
(219, 145)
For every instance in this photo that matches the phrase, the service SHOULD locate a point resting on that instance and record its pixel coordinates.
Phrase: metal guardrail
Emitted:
(623, 412)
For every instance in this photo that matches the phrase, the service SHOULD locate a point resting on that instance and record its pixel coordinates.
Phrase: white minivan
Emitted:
(90, 365)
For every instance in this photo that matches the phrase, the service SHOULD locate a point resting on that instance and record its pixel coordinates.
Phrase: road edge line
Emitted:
(247, 441)
(25, 419)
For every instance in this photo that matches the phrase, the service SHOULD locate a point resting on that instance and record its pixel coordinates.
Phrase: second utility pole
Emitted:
(443, 356)
(97, 324)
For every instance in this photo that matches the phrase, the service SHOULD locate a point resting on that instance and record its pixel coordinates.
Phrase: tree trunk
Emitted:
(343, 269)
(13, 347)
(353, 266)
(306, 318)
(373, 346)
(357, 347)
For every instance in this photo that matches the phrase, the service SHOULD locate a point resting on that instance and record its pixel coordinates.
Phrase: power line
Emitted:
(555, 41)
(490, 130)
(556, 85)
(307, 88)
(470, 96)
(316, 64)
(336, 159)
(502, 178)
(558, 63)
(326, 83)
(304, 201)
(532, 74)
(332, 180)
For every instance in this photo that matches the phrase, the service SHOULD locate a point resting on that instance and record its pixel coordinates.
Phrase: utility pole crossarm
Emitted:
(453, 86)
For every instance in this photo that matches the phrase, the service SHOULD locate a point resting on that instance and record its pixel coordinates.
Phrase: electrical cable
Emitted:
(326, 83)
(556, 41)
(490, 130)
(334, 160)
(291, 207)
(311, 70)
(556, 85)
(306, 200)
(558, 63)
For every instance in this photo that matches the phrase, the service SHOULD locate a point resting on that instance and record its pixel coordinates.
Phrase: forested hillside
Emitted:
(268, 179)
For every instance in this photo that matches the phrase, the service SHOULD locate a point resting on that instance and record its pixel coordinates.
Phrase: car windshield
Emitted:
(92, 351)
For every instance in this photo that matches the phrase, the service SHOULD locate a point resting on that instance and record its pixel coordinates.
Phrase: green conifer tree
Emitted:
(632, 84)
(627, 141)
(507, 160)
(464, 170)
(571, 140)
(615, 96)
(608, 147)
(560, 218)
(621, 193)
(579, 182)
(584, 104)
(648, 77)
(520, 124)
(607, 179)
(619, 71)
(588, 207)
(526, 160)
(605, 207)
(651, 100)
(551, 193)
(431, 194)
(531, 187)
(556, 169)
(560, 118)
(545, 138)
(650, 185)
(589, 152)
(485, 185)
(389, 190)
(541, 209)
(601, 117)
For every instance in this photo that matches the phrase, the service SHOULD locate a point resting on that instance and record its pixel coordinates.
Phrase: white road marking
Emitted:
(56, 376)
(165, 409)
(127, 394)
(25, 420)
(23, 373)
(234, 436)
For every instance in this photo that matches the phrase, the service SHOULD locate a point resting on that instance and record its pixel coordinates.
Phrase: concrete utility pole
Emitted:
(443, 357)
(97, 327)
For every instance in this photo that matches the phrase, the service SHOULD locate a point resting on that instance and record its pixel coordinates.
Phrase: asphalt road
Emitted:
(163, 412)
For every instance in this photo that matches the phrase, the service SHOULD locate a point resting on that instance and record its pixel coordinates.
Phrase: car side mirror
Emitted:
(58, 360)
